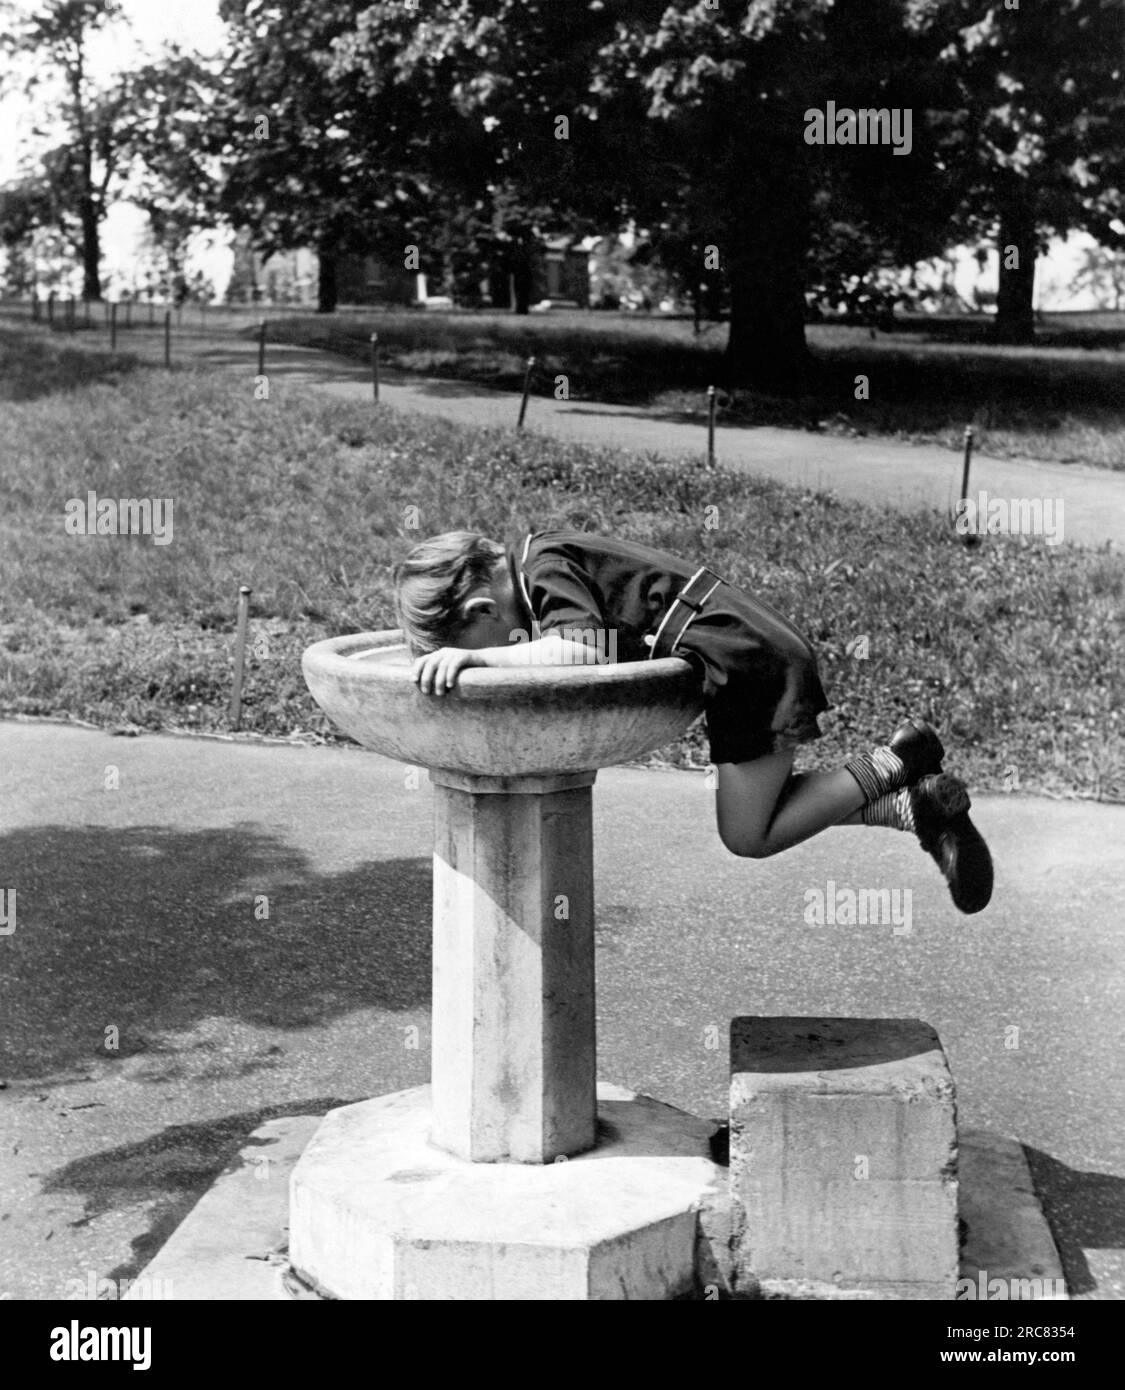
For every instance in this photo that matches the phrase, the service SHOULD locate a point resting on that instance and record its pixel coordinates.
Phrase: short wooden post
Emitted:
(239, 656)
(710, 427)
(970, 538)
(526, 389)
(968, 460)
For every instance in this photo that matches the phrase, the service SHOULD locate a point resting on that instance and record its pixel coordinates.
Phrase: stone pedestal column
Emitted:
(514, 1067)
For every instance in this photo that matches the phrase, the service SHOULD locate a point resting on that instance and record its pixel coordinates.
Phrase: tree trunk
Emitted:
(522, 281)
(766, 273)
(327, 289)
(712, 292)
(766, 345)
(1015, 301)
(91, 250)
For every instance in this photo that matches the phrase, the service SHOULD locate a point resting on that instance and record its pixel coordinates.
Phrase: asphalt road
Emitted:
(136, 912)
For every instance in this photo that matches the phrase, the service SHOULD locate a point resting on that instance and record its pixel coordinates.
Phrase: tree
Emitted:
(25, 207)
(78, 172)
(687, 119)
(307, 158)
(1036, 130)
(734, 87)
(494, 145)
(459, 133)
(170, 175)
(1102, 273)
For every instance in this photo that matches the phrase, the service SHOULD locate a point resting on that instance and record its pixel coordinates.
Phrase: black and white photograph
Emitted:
(562, 669)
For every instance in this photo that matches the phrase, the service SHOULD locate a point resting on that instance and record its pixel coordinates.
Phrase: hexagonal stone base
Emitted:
(376, 1212)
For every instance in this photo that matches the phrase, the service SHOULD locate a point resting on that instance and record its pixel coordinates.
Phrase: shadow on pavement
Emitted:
(444, 386)
(171, 1169)
(664, 417)
(151, 930)
(1086, 1211)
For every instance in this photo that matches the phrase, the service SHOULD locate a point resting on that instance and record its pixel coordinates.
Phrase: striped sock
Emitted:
(895, 811)
(877, 772)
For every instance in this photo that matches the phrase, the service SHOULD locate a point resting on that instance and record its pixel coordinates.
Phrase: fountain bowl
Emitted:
(519, 722)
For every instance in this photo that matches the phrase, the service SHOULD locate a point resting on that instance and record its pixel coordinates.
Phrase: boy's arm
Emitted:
(437, 672)
(552, 650)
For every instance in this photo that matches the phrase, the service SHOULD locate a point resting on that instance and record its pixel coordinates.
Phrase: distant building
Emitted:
(286, 277)
(561, 271)
(372, 280)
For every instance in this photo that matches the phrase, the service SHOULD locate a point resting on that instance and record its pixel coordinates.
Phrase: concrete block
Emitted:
(843, 1164)
(378, 1212)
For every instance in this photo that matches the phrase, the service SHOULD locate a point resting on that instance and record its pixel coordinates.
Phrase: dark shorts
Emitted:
(762, 691)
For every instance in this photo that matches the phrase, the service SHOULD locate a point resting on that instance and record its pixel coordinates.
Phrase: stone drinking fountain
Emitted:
(514, 1175)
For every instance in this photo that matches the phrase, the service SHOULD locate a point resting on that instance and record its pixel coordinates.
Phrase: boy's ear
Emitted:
(479, 606)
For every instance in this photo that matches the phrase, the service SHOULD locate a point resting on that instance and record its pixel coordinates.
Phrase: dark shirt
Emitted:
(759, 673)
(575, 580)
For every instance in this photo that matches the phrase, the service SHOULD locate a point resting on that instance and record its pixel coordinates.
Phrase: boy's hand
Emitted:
(437, 672)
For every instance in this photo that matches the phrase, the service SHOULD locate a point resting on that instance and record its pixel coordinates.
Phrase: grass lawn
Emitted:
(1061, 400)
(1015, 649)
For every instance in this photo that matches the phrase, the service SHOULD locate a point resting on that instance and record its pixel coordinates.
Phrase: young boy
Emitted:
(561, 597)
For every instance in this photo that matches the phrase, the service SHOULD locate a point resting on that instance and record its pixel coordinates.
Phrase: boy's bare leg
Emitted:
(763, 807)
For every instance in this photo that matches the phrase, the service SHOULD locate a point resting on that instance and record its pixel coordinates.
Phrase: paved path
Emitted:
(870, 470)
(136, 911)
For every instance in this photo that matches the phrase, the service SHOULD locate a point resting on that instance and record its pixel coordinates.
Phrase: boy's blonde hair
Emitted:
(433, 582)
